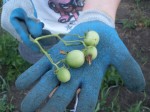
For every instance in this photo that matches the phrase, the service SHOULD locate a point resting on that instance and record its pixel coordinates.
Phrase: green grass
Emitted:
(138, 106)
(136, 22)
(110, 81)
(11, 65)
(5, 105)
(138, 16)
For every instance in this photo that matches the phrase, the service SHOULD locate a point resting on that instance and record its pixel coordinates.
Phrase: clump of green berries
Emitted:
(74, 58)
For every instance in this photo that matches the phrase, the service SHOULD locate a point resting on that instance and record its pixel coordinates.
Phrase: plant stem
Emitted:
(65, 42)
(44, 52)
(63, 60)
(44, 37)
(74, 35)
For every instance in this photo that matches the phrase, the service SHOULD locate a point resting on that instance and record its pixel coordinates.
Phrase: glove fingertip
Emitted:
(25, 107)
(22, 83)
(137, 85)
(35, 27)
(130, 72)
(19, 84)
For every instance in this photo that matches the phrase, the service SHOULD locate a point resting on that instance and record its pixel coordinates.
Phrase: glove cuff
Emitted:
(91, 15)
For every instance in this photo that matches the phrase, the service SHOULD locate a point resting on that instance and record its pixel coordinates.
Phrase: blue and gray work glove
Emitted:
(111, 50)
(20, 20)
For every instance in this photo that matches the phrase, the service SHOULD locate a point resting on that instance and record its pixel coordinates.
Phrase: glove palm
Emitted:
(111, 50)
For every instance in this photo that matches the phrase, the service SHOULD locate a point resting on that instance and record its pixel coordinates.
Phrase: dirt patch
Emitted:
(138, 43)
(137, 40)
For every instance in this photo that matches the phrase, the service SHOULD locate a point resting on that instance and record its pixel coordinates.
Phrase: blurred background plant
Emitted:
(11, 65)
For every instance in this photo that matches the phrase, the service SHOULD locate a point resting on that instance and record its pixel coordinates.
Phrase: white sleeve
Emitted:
(53, 18)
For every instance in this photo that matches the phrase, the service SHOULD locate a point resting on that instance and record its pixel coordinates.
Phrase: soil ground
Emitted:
(137, 41)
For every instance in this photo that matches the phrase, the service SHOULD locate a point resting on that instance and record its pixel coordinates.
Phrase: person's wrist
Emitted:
(107, 6)
(96, 15)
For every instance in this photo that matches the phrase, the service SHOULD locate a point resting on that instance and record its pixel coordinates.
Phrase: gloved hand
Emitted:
(19, 19)
(111, 50)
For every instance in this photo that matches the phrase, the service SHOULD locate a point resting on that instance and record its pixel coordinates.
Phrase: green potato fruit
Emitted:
(91, 38)
(75, 58)
(63, 74)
